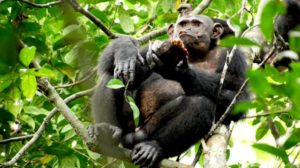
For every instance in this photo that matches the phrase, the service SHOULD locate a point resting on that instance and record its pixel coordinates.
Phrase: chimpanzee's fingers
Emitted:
(116, 71)
(125, 71)
(91, 131)
(140, 58)
(154, 158)
(149, 58)
(131, 70)
(149, 158)
(142, 157)
(119, 70)
(157, 60)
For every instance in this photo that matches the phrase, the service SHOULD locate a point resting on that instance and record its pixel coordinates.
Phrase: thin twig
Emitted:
(264, 115)
(293, 162)
(88, 76)
(41, 129)
(20, 138)
(274, 130)
(93, 18)
(46, 5)
(228, 109)
(109, 164)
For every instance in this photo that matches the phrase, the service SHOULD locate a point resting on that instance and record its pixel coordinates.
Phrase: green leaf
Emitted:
(5, 81)
(115, 84)
(28, 120)
(294, 41)
(135, 109)
(26, 55)
(33, 110)
(45, 72)
(66, 69)
(14, 103)
(230, 41)
(261, 131)
(126, 22)
(267, 17)
(273, 150)
(293, 140)
(28, 85)
(243, 107)
(280, 128)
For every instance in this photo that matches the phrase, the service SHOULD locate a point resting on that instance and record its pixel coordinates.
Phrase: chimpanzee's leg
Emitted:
(112, 117)
(174, 128)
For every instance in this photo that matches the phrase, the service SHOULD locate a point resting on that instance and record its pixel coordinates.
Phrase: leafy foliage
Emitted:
(67, 46)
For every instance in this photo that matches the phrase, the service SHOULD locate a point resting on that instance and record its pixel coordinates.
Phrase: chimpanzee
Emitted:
(288, 21)
(176, 85)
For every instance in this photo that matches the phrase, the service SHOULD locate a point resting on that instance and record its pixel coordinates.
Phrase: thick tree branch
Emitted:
(46, 5)
(93, 18)
(41, 129)
(215, 154)
(20, 138)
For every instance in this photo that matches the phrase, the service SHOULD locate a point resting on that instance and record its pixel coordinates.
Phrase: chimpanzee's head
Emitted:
(198, 33)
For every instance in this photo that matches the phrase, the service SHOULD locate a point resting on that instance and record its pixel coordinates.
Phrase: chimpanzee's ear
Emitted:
(171, 30)
(217, 31)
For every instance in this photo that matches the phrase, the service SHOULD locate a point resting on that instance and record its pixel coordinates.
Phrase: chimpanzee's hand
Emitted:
(126, 56)
(166, 54)
(146, 153)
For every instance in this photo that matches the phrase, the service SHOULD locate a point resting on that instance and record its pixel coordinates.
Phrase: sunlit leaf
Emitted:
(293, 139)
(66, 69)
(26, 55)
(279, 127)
(14, 102)
(33, 110)
(126, 22)
(261, 131)
(294, 41)
(230, 41)
(28, 85)
(115, 84)
(28, 120)
(45, 72)
(273, 150)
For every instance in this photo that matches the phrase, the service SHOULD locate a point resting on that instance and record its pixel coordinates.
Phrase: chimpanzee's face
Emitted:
(196, 32)
(194, 26)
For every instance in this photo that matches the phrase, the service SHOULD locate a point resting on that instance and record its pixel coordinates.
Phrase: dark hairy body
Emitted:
(176, 90)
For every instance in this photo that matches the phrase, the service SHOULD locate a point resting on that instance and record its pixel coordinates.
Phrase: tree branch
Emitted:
(46, 5)
(265, 114)
(20, 138)
(199, 9)
(93, 18)
(41, 129)
(152, 35)
(87, 76)
(228, 109)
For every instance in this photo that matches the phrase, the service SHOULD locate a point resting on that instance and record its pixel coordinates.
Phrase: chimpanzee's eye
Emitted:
(196, 23)
(182, 23)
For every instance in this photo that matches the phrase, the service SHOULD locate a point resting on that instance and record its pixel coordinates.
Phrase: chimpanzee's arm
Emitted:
(196, 82)
(122, 59)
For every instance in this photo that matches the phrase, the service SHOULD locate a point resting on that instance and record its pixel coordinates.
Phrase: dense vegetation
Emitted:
(60, 41)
